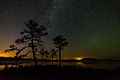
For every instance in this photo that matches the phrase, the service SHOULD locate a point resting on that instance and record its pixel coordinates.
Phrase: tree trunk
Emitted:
(33, 51)
(41, 58)
(34, 56)
(60, 55)
(52, 59)
(16, 61)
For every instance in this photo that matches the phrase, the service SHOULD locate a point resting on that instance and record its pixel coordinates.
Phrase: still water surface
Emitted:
(103, 65)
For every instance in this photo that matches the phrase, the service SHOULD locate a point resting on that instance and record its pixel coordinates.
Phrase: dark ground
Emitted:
(59, 73)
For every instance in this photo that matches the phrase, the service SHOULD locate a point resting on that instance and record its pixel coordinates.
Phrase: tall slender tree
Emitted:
(60, 43)
(44, 54)
(53, 54)
(31, 37)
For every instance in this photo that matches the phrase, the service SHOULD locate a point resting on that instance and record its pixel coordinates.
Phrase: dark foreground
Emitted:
(58, 73)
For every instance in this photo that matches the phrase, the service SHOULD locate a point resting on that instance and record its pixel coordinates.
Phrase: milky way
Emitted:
(91, 26)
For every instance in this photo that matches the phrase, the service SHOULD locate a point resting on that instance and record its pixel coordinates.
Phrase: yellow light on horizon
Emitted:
(78, 58)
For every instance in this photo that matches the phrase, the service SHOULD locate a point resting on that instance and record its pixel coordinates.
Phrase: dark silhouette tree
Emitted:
(44, 53)
(60, 43)
(53, 54)
(18, 51)
(30, 39)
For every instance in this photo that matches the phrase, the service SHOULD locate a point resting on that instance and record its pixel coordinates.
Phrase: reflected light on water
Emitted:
(2, 67)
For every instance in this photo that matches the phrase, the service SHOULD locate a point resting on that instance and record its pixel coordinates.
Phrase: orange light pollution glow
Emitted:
(7, 54)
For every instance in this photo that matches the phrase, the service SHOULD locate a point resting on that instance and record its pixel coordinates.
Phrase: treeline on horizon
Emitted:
(84, 60)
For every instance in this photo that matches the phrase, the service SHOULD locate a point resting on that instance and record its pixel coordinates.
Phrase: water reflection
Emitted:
(104, 65)
(2, 67)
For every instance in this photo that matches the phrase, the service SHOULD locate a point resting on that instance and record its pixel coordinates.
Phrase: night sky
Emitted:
(92, 27)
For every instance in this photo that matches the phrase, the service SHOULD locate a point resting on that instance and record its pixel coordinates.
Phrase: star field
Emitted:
(91, 26)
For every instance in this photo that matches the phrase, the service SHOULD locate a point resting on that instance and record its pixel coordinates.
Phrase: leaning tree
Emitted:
(18, 51)
(60, 43)
(30, 39)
